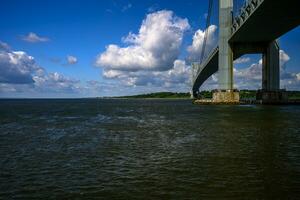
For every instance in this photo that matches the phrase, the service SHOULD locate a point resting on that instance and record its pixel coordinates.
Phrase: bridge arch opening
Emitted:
(247, 72)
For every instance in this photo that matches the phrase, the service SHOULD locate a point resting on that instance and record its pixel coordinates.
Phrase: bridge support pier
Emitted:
(271, 92)
(270, 68)
(226, 97)
(226, 93)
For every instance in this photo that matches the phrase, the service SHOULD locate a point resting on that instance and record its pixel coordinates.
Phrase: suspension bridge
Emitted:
(253, 29)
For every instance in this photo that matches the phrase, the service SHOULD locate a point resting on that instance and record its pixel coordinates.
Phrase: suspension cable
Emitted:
(210, 5)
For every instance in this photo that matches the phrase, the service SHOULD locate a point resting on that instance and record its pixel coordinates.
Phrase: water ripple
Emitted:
(156, 149)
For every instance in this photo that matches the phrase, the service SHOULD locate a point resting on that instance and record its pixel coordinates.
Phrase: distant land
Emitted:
(244, 94)
(172, 95)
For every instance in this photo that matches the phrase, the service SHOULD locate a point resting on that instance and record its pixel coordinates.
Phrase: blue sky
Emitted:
(65, 48)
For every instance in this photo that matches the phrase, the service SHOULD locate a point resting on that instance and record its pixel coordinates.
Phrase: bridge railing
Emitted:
(249, 7)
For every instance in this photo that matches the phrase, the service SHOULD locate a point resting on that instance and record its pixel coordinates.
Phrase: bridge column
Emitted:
(270, 68)
(271, 92)
(225, 92)
(225, 52)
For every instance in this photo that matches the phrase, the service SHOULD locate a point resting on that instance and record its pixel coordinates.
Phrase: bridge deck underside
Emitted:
(268, 22)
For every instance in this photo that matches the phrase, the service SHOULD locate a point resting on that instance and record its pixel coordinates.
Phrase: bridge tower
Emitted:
(226, 92)
(270, 92)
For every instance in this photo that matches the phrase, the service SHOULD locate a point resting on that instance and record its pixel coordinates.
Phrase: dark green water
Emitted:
(147, 149)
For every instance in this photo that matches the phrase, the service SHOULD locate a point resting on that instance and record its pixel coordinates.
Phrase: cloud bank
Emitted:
(21, 74)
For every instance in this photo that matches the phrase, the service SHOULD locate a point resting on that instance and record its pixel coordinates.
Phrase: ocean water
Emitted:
(147, 149)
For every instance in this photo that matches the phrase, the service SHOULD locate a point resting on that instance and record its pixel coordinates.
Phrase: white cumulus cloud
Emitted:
(195, 48)
(17, 67)
(71, 60)
(155, 47)
(242, 60)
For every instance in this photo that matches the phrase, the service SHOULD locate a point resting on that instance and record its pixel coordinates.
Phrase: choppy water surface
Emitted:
(147, 149)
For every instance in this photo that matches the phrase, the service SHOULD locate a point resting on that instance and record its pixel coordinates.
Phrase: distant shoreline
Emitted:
(244, 94)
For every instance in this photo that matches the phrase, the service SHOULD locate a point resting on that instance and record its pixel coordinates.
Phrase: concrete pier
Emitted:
(226, 96)
(272, 97)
